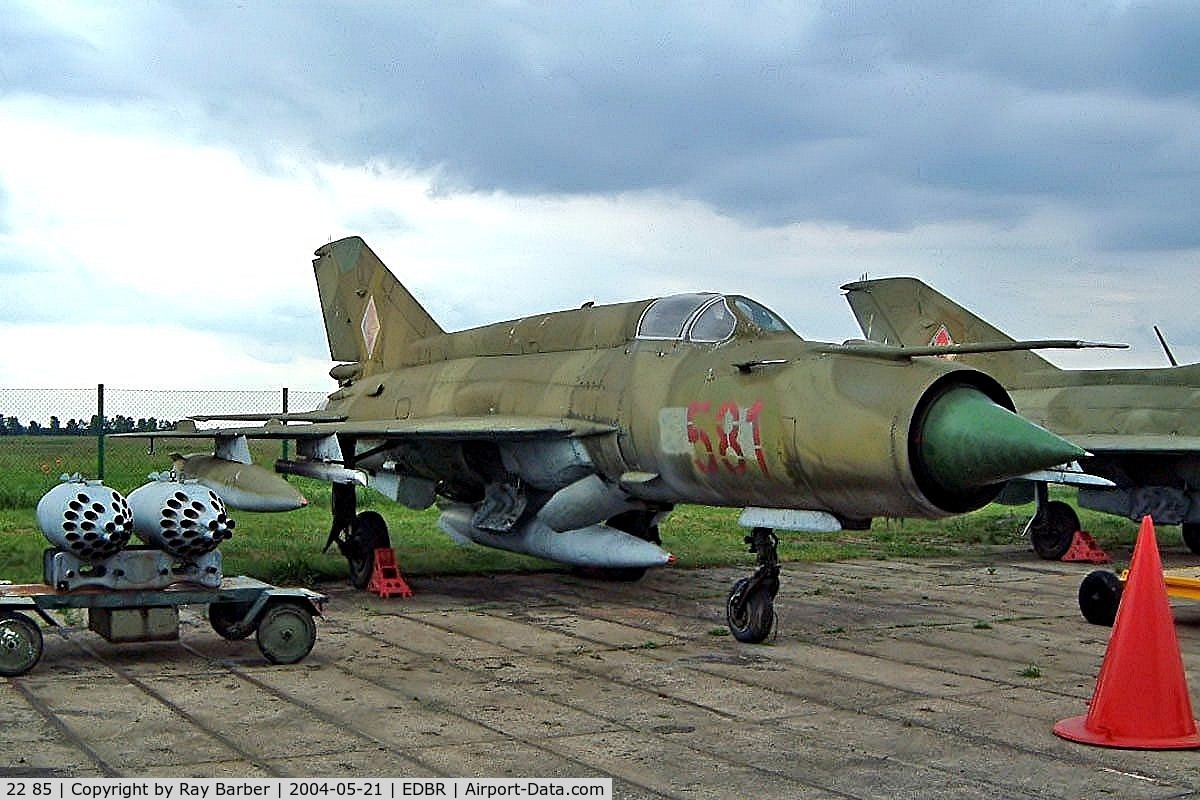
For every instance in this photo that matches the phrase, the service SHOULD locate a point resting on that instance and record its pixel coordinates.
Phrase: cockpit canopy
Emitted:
(705, 317)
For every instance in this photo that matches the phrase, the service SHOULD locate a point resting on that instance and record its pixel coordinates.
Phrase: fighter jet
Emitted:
(1141, 426)
(571, 435)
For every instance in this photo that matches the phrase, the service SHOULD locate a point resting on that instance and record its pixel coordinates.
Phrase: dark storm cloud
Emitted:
(1139, 48)
(876, 115)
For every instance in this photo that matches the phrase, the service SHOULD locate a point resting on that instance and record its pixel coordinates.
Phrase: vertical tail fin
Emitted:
(905, 311)
(369, 315)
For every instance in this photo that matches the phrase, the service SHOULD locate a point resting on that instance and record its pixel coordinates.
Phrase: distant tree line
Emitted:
(11, 426)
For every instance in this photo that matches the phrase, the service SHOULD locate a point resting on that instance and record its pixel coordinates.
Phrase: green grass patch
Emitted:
(286, 548)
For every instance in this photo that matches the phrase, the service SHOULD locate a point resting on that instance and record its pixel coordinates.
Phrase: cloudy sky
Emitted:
(166, 169)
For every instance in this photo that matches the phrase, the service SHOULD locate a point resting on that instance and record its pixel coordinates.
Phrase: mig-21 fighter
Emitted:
(571, 435)
(1141, 426)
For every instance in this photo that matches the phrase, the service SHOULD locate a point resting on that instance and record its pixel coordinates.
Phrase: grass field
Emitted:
(285, 548)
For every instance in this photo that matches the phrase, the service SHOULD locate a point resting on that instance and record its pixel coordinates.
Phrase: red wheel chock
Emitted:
(386, 580)
(1084, 548)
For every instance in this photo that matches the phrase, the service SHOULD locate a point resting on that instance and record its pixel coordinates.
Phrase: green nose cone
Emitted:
(967, 441)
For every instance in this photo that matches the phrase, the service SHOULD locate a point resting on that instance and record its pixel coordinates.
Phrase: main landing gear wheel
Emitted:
(750, 608)
(1052, 529)
(286, 633)
(368, 533)
(1099, 597)
(226, 619)
(20, 644)
(1191, 536)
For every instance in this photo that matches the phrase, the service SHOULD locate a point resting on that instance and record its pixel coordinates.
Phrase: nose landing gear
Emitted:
(750, 608)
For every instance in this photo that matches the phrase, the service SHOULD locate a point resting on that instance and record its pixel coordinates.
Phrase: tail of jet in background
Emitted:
(370, 318)
(908, 313)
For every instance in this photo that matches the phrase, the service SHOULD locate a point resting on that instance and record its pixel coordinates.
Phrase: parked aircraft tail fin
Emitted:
(369, 315)
(908, 313)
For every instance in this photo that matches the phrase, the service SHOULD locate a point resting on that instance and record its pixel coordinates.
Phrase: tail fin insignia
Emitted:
(369, 315)
(908, 313)
(370, 326)
(942, 338)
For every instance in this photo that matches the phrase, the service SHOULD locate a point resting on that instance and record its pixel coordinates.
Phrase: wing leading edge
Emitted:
(488, 428)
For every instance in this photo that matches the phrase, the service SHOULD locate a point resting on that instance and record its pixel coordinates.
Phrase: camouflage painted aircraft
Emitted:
(571, 435)
(1141, 426)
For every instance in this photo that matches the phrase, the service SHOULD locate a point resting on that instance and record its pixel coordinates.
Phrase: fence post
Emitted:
(285, 411)
(100, 431)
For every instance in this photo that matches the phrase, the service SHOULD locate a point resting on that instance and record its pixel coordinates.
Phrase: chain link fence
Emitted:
(45, 433)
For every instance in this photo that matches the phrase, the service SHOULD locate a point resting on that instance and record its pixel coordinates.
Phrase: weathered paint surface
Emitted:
(552, 433)
(805, 428)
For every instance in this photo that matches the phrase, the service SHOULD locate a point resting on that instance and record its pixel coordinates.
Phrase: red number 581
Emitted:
(727, 424)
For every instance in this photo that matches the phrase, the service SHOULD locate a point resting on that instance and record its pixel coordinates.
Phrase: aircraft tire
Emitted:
(20, 644)
(1052, 529)
(1191, 536)
(1099, 596)
(224, 619)
(752, 619)
(368, 533)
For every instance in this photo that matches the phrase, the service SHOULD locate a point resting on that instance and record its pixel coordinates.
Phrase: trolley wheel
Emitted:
(1191, 536)
(752, 618)
(1052, 529)
(20, 644)
(368, 533)
(1099, 596)
(224, 618)
(286, 633)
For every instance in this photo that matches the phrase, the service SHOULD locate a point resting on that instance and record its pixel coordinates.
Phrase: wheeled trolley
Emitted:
(1100, 592)
(281, 619)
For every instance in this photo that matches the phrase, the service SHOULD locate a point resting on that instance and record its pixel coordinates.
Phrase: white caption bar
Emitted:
(300, 789)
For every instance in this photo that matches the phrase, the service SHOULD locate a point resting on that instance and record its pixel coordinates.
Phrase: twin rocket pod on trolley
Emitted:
(94, 522)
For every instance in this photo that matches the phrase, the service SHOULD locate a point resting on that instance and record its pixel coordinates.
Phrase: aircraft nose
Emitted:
(966, 441)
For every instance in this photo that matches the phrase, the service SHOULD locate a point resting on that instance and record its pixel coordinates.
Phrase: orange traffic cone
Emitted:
(1141, 700)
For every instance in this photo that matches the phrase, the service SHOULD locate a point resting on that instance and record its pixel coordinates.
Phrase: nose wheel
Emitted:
(750, 608)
